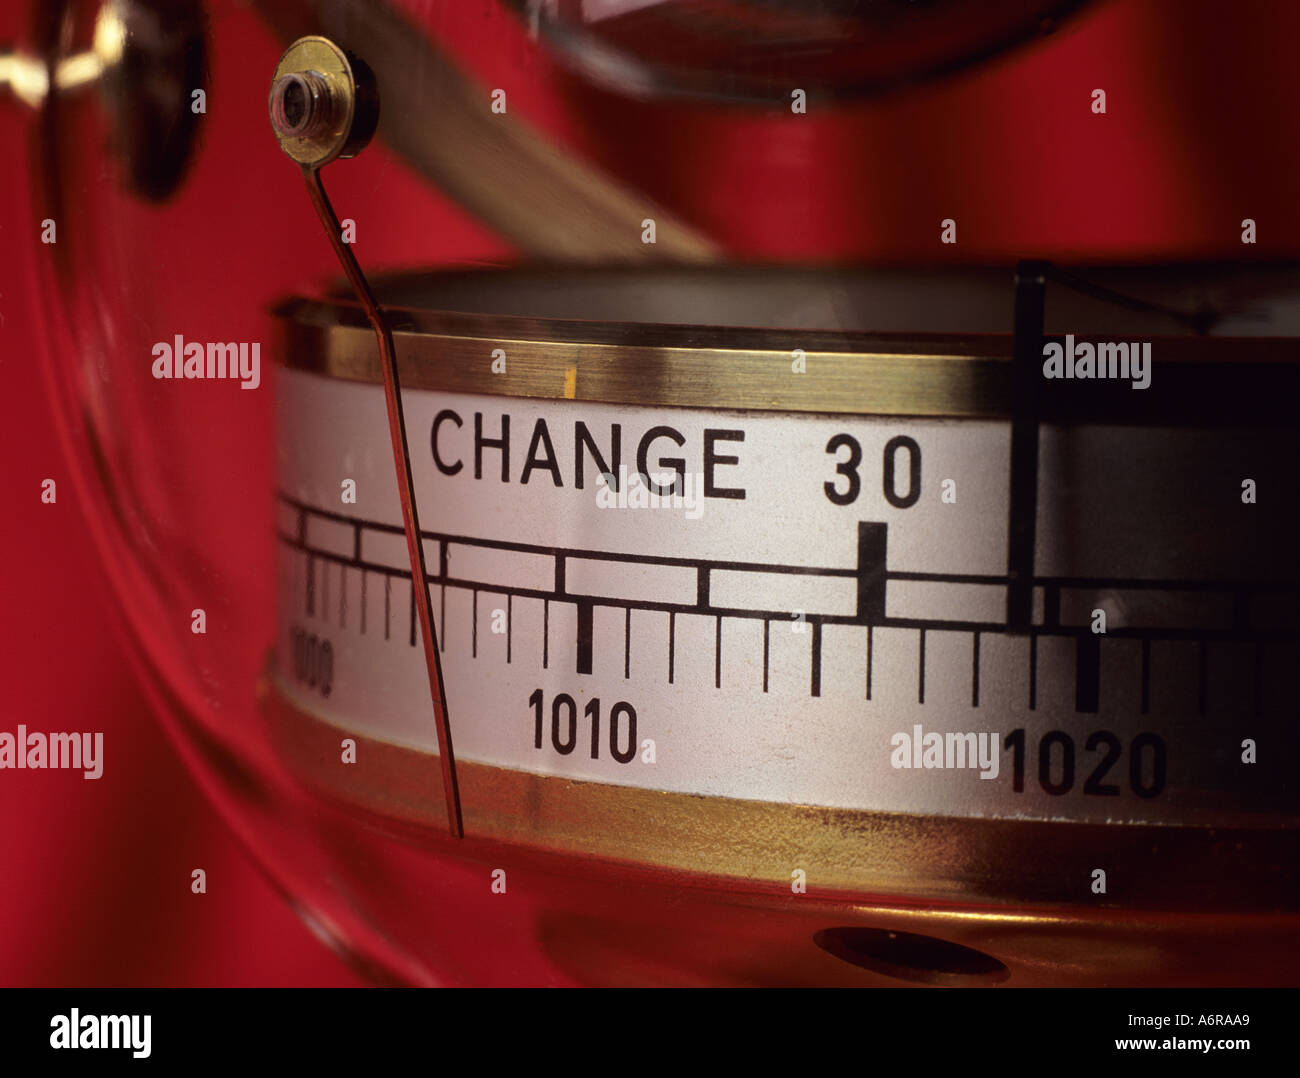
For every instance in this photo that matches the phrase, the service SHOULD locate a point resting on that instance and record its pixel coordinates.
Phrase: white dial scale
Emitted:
(815, 612)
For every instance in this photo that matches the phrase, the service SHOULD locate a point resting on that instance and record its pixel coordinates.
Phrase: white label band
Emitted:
(814, 612)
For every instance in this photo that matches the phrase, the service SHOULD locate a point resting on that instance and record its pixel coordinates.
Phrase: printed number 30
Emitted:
(853, 481)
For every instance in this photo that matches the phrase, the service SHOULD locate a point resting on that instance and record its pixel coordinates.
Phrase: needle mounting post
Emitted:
(324, 105)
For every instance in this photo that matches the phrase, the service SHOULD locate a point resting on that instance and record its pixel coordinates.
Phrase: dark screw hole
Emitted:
(909, 957)
(294, 102)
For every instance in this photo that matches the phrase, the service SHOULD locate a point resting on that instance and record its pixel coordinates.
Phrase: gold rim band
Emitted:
(452, 352)
(1201, 381)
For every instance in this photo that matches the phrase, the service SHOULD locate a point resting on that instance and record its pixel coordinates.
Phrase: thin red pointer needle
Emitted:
(405, 488)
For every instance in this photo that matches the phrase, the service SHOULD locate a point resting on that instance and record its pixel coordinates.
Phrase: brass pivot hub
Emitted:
(323, 102)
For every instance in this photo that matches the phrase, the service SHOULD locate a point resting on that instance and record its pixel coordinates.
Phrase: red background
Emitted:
(1199, 133)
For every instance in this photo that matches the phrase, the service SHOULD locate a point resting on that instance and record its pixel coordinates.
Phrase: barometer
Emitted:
(633, 614)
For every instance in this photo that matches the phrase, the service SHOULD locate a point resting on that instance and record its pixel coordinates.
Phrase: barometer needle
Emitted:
(405, 488)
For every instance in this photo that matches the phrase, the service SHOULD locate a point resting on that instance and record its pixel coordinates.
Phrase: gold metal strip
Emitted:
(900, 379)
(1201, 381)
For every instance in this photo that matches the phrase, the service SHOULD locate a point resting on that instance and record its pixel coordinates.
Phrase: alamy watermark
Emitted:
(1106, 359)
(951, 750)
(659, 490)
(36, 751)
(77, 1030)
(192, 359)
